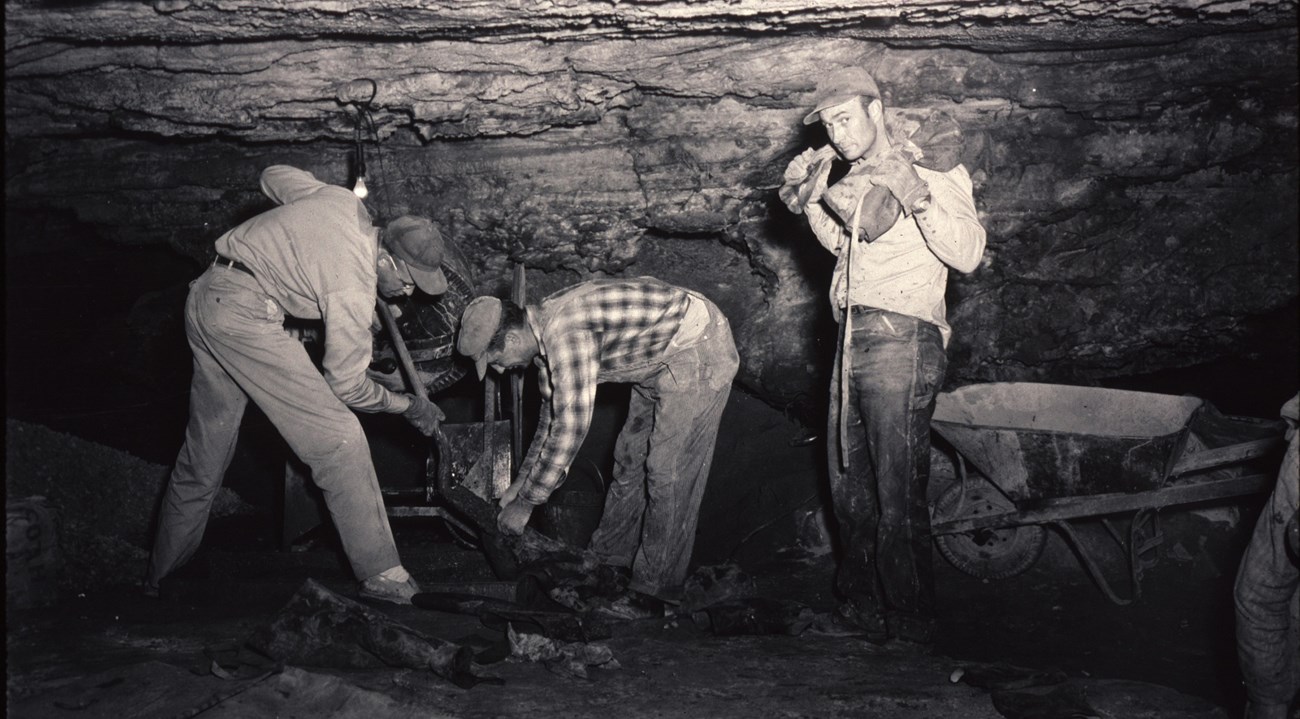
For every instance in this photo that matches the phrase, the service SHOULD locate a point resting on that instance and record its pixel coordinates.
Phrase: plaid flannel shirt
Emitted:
(602, 330)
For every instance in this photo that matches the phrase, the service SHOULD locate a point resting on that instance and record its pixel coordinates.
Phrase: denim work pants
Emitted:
(1267, 597)
(240, 351)
(661, 462)
(896, 367)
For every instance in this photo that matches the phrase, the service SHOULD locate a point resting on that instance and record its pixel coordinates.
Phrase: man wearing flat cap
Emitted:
(675, 348)
(896, 227)
(315, 256)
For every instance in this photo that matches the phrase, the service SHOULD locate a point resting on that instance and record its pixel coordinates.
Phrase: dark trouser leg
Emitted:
(677, 470)
(690, 394)
(856, 514)
(897, 365)
(619, 533)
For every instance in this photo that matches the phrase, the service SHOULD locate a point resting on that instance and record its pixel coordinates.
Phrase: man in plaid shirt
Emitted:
(675, 348)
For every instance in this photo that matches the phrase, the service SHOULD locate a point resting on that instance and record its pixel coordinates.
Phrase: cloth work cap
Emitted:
(840, 86)
(478, 324)
(418, 243)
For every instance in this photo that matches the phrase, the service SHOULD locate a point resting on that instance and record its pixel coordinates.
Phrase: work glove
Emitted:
(880, 210)
(514, 516)
(423, 415)
(805, 178)
(895, 171)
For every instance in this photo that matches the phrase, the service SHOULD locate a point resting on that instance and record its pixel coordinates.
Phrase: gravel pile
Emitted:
(104, 501)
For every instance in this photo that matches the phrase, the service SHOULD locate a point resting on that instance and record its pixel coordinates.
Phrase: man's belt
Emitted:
(234, 265)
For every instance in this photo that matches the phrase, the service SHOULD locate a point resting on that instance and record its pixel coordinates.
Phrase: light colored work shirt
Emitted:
(905, 269)
(315, 255)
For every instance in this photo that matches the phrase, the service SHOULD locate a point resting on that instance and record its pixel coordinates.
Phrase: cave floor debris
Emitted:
(111, 654)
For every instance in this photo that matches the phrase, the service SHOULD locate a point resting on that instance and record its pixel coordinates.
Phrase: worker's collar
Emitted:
(532, 315)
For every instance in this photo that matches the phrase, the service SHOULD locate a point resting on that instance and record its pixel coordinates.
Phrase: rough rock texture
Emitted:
(993, 23)
(1134, 163)
(104, 502)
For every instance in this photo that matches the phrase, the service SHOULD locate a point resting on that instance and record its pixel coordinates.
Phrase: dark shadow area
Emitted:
(95, 344)
(1253, 381)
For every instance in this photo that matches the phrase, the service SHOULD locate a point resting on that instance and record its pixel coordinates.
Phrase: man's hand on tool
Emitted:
(424, 415)
(805, 178)
(895, 171)
(514, 511)
(879, 208)
(511, 492)
(514, 516)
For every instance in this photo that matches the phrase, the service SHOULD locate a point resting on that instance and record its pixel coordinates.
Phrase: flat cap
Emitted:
(478, 324)
(419, 244)
(840, 86)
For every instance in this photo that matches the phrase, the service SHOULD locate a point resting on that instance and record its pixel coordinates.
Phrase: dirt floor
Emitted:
(116, 654)
(103, 650)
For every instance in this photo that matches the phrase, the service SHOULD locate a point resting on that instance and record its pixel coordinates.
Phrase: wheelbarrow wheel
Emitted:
(998, 553)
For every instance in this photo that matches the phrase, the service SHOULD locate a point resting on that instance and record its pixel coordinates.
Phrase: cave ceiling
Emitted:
(1135, 163)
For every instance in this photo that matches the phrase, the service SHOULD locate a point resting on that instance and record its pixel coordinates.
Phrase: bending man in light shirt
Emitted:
(675, 348)
(314, 256)
(896, 228)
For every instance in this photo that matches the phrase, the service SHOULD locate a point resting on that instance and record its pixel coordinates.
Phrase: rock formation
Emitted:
(1135, 163)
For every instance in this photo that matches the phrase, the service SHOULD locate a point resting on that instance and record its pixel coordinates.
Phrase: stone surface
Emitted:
(1135, 166)
(988, 22)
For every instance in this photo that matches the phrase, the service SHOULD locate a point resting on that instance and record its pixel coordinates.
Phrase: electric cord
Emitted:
(379, 158)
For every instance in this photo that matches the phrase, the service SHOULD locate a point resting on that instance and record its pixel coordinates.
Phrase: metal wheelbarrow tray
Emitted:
(1052, 453)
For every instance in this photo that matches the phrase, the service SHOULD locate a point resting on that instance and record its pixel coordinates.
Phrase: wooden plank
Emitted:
(1102, 504)
(1224, 455)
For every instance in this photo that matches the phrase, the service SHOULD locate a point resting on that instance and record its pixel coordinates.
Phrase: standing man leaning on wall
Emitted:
(675, 348)
(896, 228)
(315, 256)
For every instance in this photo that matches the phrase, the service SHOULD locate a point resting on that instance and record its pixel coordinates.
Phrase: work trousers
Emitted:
(896, 365)
(1267, 598)
(241, 351)
(661, 462)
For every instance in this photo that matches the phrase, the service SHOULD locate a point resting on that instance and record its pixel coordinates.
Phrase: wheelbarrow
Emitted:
(1049, 454)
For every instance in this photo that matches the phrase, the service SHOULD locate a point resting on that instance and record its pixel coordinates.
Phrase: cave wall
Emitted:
(1135, 164)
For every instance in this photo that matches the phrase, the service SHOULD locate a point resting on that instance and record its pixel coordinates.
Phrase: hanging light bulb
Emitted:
(359, 189)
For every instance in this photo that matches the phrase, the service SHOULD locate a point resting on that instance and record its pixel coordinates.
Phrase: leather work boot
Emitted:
(389, 590)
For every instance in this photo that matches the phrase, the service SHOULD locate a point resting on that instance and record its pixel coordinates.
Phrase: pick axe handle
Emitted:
(442, 477)
(399, 344)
